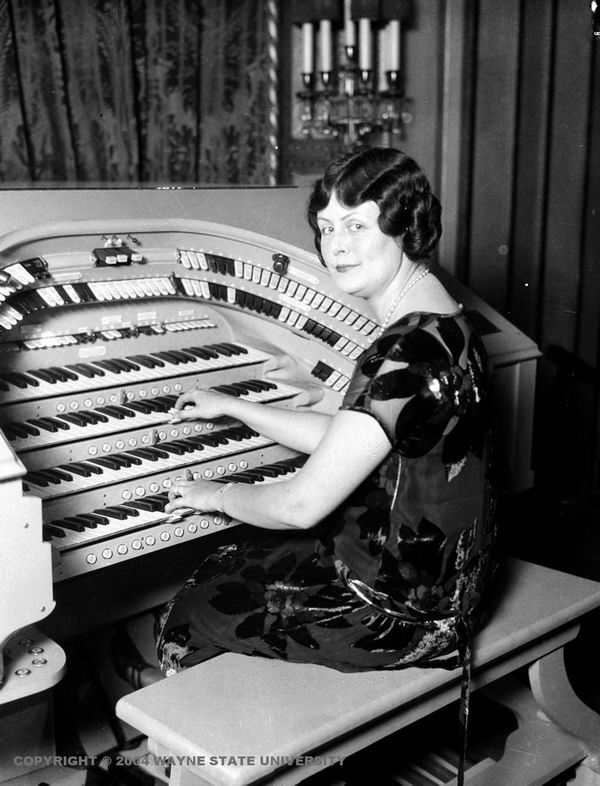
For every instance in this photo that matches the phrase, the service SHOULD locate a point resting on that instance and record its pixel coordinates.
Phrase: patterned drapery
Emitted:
(107, 91)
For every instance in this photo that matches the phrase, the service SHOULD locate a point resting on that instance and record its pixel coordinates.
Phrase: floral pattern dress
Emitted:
(400, 573)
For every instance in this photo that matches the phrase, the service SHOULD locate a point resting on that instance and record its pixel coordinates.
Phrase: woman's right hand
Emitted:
(200, 405)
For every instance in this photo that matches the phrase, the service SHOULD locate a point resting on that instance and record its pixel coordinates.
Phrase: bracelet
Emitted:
(220, 495)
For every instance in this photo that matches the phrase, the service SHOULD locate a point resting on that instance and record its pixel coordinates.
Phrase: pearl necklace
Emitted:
(399, 297)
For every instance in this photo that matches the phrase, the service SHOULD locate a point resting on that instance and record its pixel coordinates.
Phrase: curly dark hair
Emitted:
(388, 177)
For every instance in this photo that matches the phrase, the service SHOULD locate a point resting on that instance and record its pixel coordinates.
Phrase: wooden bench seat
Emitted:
(237, 720)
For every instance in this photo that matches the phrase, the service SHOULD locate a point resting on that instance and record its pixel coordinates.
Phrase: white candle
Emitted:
(307, 48)
(364, 45)
(325, 44)
(349, 28)
(382, 45)
(393, 28)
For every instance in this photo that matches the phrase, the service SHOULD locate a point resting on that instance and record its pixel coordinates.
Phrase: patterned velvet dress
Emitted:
(399, 574)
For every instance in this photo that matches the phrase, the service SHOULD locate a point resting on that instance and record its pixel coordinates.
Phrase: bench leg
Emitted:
(553, 692)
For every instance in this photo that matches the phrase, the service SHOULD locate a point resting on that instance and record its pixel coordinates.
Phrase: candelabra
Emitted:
(363, 97)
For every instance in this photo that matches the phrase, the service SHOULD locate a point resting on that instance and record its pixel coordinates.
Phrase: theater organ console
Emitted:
(112, 303)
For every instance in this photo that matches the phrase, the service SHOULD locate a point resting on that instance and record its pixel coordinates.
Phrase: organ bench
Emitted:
(237, 720)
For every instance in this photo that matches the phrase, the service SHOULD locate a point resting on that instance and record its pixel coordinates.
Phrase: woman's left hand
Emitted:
(200, 495)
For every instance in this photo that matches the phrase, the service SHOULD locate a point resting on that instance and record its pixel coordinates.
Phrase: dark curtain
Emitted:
(170, 91)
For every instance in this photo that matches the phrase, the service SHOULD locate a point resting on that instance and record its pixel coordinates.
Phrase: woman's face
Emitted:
(361, 259)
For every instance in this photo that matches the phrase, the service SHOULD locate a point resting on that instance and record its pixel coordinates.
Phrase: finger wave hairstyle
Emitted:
(408, 208)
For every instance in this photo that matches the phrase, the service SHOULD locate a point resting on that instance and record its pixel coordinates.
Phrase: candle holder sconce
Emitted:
(362, 99)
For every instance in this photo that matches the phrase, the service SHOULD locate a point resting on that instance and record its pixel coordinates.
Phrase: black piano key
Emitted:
(54, 531)
(126, 365)
(78, 469)
(97, 417)
(95, 470)
(206, 351)
(269, 471)
(89, 417)
(97, 516)
(157, 451)
(124, 460)
(187, 448)
(108, 365)
(37, 479)
(254, 385)
(241, 386)
(122, 409)
(106, 461)
(158, 503)
(176, 450)
(151, 454)
(19, 380)
(43, 374)
(244, 477)
(246, 432)
(148, 360)
(211, 440)
(85, 521)
(61, 474)
(85, 371)
(47, 426)
(140, 406)
(167, 357)
(223, 349)
(185, 358)
(131, 459)
(230, 390)
(63, 374)
(24, 429)
(74, 526)
(193, 358)
(10, 434)
(112, 411)
(198, 352)
(74, 418)
(256, 472)
(129, 511)
(163, 403)
(116, 513)
(197, 442)
(51, 476)
(140, 504)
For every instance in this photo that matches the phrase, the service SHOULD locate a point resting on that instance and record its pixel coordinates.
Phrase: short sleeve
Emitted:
(410, 380)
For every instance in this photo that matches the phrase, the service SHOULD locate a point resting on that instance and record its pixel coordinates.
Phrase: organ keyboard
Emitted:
(104, 321)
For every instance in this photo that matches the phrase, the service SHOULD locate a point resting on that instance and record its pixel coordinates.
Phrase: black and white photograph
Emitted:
(299, 392)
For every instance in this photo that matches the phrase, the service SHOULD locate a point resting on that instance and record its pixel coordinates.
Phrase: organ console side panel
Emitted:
(25, 560)
(114, 302)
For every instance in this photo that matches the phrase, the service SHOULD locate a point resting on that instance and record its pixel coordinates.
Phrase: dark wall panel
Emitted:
(566, 176)
(534, 225)
(493, 147)
(527, 244)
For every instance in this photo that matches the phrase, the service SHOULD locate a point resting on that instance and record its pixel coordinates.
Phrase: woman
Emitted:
(382, 546)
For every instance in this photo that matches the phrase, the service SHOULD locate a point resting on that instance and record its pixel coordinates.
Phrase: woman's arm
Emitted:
(300, 431)
(352, 447)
